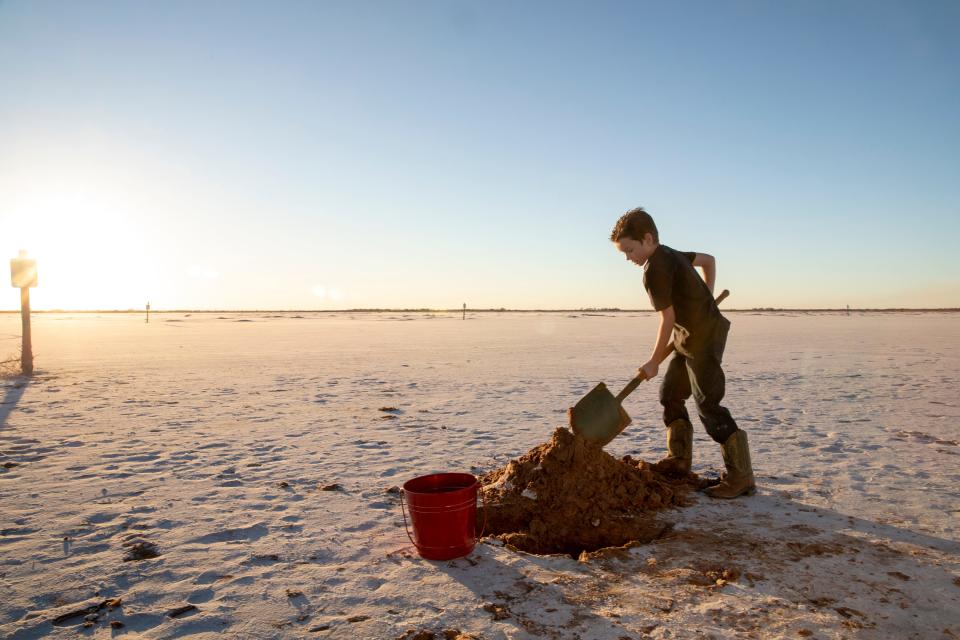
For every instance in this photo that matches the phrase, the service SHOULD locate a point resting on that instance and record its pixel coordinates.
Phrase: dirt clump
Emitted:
(140, 550)
(568, 496)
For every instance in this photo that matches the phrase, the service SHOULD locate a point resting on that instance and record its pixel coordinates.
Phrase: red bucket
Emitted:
(443, 512)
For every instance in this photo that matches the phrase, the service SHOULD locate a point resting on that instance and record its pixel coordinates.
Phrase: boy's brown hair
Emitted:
(635, 224)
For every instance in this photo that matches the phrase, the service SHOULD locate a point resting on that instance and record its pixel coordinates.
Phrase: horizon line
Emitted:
(484, 310)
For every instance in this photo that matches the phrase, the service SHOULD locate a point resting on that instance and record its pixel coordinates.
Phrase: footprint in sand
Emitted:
(214, 445)
(362, 526)
(200, 595)
(369, 444)
(238, 534)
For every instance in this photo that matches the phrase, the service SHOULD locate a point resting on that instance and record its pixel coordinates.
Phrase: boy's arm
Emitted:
(662, 349)
(708, 265)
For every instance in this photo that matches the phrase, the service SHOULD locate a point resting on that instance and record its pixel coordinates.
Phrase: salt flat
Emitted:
(208, 437)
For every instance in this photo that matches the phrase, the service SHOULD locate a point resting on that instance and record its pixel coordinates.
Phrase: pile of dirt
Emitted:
(568, 496)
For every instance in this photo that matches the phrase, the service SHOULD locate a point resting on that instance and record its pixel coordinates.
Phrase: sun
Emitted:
(90, 253)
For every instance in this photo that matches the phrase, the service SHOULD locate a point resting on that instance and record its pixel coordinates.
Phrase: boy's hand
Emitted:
(649, 369)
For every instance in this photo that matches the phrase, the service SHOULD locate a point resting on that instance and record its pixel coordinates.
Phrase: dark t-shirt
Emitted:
(671, 280)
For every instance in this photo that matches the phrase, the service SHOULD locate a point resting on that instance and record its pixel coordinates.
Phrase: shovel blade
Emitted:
(598, 416)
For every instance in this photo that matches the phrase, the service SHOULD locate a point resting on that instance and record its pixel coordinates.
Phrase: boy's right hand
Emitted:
(649, 369)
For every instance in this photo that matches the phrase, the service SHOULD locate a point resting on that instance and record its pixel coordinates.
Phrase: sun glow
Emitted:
(90, 254)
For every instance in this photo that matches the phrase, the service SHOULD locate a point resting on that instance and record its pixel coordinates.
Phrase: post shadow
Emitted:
(12, 392)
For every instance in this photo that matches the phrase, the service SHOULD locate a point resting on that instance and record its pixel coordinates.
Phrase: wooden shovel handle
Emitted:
(633, 384)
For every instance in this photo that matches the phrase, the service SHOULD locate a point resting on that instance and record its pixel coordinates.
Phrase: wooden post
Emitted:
(26, 349)
(23, 275)
(464, 310)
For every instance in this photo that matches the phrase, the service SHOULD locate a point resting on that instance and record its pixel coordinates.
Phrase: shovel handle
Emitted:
(633, 384)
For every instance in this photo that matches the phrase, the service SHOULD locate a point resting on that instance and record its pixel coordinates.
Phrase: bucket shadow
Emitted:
(13, 390)
(516, 590)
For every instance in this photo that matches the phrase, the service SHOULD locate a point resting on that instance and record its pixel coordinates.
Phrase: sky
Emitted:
(329, 155)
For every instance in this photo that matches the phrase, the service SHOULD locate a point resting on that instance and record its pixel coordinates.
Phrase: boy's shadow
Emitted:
(794, 513)
(811, 556)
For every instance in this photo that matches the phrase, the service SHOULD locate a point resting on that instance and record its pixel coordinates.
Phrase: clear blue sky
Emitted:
(425, 154)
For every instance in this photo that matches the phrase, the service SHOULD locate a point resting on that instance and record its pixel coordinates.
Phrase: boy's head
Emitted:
(635, 235)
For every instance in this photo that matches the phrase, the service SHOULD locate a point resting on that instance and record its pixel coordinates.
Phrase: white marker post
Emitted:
(23, 275)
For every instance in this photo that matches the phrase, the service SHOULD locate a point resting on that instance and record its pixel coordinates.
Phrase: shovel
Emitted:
(599, 416)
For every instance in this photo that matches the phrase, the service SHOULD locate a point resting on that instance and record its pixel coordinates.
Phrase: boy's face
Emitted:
(636, 251)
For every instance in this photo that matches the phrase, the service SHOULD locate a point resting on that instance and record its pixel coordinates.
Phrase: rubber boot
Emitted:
(679, 447)
(738, 480)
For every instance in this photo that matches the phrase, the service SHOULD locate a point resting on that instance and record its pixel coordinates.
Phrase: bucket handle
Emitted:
(404, 511)
(483, 499)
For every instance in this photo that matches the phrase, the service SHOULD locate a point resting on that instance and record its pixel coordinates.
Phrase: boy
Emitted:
(688, 311)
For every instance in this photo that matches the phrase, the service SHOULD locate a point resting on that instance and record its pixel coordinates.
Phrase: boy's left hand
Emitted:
(649, 369)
